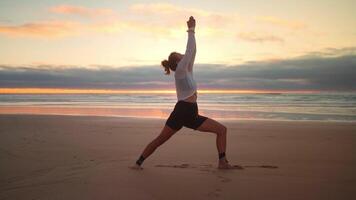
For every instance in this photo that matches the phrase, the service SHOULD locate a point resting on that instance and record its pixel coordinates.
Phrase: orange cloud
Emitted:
(43, 29)
(82, 11)
(157, 19)
(58, 29)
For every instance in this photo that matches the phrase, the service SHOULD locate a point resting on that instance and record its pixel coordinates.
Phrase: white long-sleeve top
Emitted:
(185, 83)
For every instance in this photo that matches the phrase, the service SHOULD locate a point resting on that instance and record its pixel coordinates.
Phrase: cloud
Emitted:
(280, 22)
(59, 29)
(156, 19)
(171, 15)
(42, 29)
(81, 77)
(325, 73)
(81, 11)
(259, 37)
(333, 52)
(5, 20)
(154, 8)
(109, 23)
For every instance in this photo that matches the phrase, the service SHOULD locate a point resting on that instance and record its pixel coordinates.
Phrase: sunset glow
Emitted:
(122, 33)
(117, 46)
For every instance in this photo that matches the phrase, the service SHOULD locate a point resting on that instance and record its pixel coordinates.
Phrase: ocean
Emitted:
(271, 106)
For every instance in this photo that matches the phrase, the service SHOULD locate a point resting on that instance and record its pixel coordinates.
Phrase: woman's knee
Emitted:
(223, 130)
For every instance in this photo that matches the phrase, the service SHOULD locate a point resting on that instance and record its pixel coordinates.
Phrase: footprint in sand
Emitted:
(216, 193)
(176, 166)
(211, 168)
(261, 166)
(206, 170)
(224, 179)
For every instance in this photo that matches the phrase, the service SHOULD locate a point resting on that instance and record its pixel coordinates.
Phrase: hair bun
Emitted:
(165, 64)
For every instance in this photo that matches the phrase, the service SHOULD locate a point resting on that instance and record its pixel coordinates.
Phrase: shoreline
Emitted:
(229, 107)
(164, 118)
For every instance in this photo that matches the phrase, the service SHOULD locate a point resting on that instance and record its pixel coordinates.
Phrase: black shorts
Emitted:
(185, 114)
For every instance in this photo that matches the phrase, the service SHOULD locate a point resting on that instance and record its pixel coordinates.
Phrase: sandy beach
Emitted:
(78, 157)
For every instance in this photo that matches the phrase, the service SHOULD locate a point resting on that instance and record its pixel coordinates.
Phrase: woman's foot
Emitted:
(224, 164)
(136, 167)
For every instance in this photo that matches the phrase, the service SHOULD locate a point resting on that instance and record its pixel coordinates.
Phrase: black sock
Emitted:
(221, 155)
(140, 160)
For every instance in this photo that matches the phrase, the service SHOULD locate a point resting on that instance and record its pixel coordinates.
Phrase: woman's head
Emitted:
(172, 62)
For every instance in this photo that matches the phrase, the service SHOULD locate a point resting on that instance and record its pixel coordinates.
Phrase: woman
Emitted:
(185, 112)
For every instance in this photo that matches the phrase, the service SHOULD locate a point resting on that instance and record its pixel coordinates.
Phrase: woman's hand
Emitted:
(191, 22)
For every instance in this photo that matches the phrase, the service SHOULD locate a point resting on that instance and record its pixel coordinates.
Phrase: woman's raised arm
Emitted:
(189, 55)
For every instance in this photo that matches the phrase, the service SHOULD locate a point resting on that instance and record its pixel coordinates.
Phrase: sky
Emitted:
(241, 45)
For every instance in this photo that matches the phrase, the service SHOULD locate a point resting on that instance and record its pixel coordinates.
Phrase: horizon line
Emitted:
(139, 91)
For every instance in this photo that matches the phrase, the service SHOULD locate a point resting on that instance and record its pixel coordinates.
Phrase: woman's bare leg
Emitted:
(210, 125)
(165, 134)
